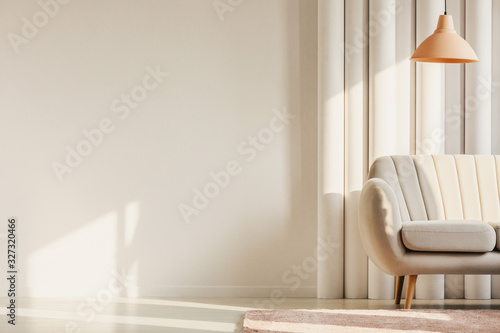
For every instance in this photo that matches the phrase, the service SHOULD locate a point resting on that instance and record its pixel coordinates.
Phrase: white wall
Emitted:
(119, 208)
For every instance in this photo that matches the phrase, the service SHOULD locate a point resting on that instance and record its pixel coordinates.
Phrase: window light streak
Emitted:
(147, 301)
(132, 212)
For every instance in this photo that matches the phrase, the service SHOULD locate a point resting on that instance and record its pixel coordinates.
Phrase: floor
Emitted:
(131, 315)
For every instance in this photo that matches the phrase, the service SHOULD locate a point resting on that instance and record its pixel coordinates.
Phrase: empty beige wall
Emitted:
(91, 80)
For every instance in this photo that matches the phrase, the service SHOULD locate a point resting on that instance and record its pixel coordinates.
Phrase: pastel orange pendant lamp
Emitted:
(445, 45)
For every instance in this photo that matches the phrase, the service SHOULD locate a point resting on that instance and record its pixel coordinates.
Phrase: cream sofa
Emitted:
(432, 215)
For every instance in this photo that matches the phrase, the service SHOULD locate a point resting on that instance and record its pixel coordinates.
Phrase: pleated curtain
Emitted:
(372, 101)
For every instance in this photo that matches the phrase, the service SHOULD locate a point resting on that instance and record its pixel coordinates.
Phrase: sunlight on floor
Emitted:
(147, 301)
(130, 320)
(162, 315)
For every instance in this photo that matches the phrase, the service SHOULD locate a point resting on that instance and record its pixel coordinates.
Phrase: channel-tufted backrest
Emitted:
(443, 187)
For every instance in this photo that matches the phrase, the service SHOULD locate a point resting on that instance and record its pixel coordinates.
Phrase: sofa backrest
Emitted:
(443, 187)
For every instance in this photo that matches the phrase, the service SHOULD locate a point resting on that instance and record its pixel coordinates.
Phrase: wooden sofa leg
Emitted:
(410, 289)
(399, 288)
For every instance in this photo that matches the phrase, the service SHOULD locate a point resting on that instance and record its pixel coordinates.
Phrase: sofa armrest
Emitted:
(380, 225)
(496, 226)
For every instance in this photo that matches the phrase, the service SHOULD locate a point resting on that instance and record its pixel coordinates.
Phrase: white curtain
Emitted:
(373, 101)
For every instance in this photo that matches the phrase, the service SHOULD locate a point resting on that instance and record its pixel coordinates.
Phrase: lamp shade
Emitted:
(445, 45)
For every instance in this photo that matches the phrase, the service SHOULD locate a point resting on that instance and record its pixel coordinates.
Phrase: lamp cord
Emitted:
(444, 7)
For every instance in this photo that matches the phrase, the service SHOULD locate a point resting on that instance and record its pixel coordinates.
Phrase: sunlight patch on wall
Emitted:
(132, 211)
(78, 263)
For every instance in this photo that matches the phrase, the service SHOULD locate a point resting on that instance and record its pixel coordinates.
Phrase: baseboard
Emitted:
(227, 291)
(187, 291)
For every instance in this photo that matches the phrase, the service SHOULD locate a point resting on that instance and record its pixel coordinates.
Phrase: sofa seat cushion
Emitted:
(496, 226)
(449, 236)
